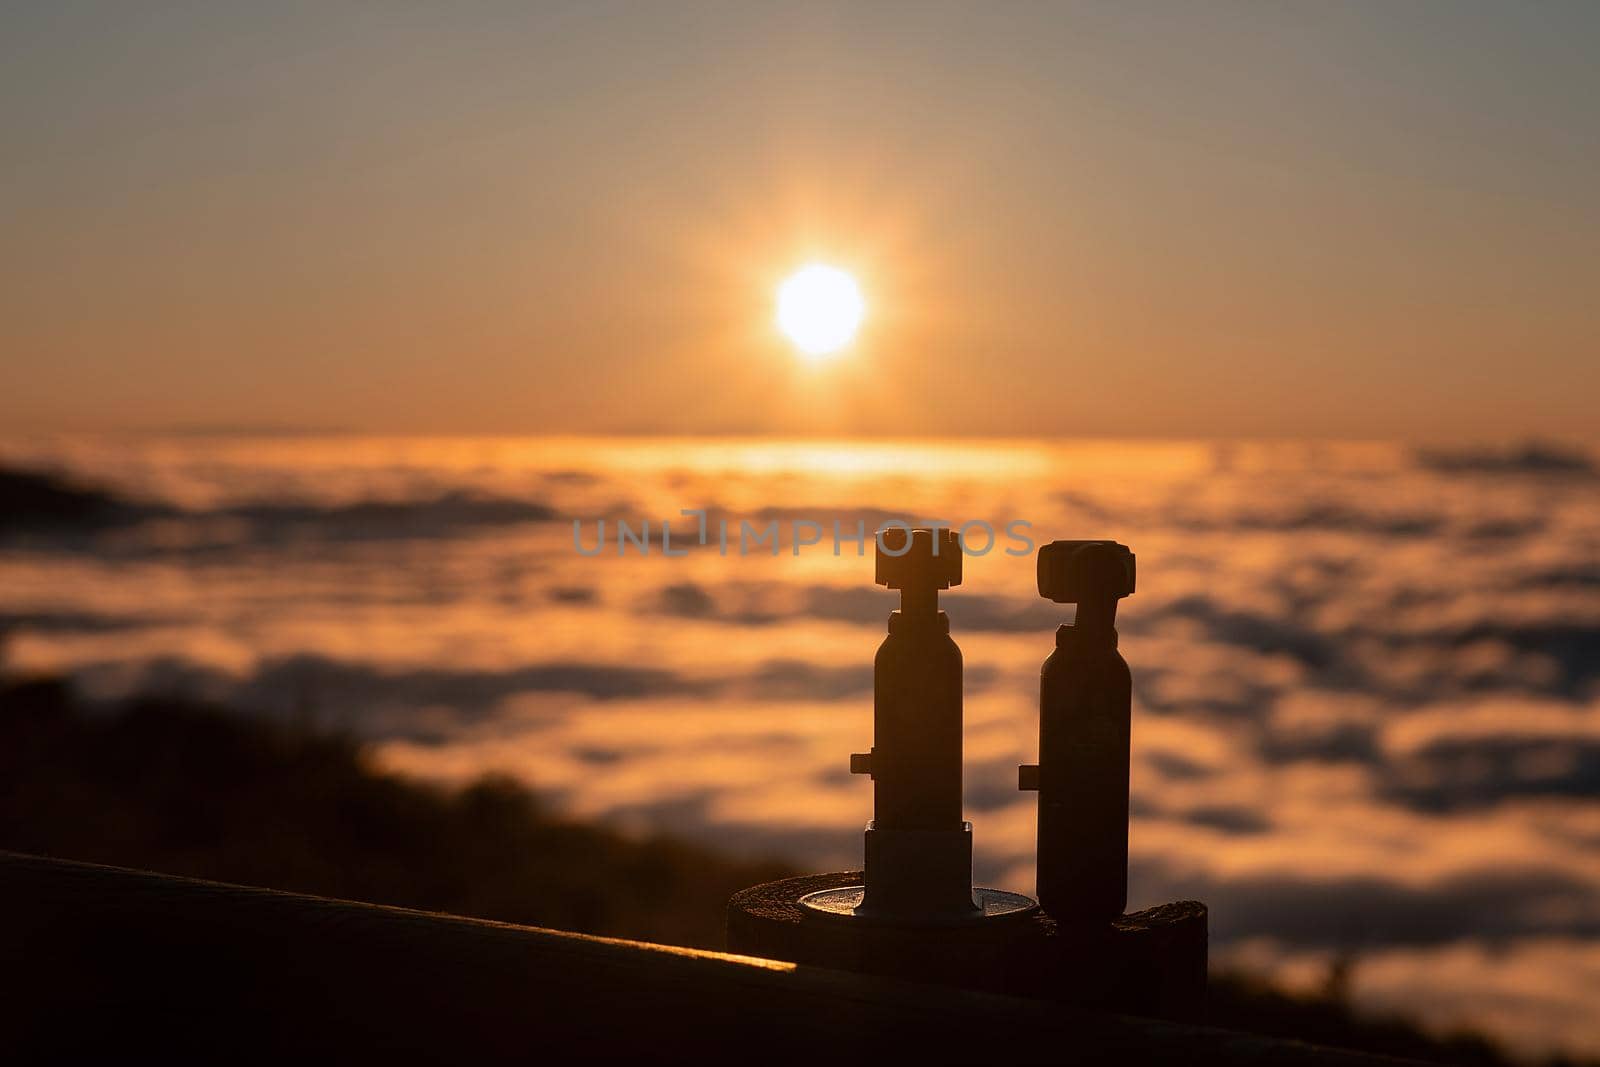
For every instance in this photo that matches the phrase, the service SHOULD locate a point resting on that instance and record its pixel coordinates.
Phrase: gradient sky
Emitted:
(1350, 220)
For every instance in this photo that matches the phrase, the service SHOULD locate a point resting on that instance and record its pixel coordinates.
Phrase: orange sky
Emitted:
(1349, 220)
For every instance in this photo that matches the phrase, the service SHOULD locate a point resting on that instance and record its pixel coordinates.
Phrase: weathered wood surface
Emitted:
(127, 965)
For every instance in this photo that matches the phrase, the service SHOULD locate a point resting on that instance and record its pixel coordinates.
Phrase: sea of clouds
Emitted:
(1367, 678)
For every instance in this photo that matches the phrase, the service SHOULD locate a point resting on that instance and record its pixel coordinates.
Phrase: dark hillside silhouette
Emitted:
(186, 789)
(36, 500)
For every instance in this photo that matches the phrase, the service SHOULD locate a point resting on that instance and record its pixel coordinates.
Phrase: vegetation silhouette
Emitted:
(187, 789)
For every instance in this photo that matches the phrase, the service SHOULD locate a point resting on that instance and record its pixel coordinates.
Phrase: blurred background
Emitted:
(320, 325)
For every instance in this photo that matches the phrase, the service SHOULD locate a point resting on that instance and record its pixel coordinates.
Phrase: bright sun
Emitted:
(819, 309)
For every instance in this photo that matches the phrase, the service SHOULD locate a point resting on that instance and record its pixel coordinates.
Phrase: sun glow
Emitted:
(819, 309)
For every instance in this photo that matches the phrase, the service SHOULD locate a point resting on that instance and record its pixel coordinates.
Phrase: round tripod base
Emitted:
(844, 905)
(1150, 962)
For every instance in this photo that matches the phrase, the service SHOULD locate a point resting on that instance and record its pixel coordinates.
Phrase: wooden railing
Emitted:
(127, 965)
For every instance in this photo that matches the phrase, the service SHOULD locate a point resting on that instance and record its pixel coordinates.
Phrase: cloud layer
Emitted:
(1367, 688)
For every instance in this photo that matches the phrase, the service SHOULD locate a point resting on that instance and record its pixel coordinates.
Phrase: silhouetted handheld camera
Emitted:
(918, 867)
(1085, 715)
